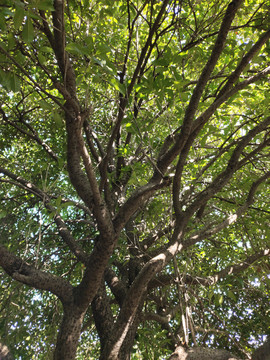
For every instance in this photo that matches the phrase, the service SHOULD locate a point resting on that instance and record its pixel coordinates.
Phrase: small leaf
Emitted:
(44, 105)
(45, 5)
(28, 31)
(118, 86)
(18, 17)
(67, 204)
(76, 49)
(57, 118)
(10, 81)
(41, 58)
(46, 49)
(3, 25)
(14, 83)
(58, 201)
(231, 295)
(3, 214)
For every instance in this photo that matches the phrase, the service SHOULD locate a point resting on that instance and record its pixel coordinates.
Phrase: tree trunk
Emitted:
(124, 350)
(128, 343)
(69, 334)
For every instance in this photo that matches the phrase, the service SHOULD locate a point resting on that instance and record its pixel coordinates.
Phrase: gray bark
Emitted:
(200, 353)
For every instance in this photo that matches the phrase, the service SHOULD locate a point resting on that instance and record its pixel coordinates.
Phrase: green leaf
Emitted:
(45, 5)
(45, 105)
(18, 17)
(76, 49)
(184, 97)
(14, 83)
(41, 58)
(57, 118)
(231, 295)
(28, 31)
(46, 49)
(3, 214)
(10, 81)
(118, 86)
(58, 201)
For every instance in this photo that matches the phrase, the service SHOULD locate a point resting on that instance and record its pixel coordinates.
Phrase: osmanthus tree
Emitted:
(134, 178)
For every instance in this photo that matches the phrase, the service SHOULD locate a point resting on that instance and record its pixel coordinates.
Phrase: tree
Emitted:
(134, 177)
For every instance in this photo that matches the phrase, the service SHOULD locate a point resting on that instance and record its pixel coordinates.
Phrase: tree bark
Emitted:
(69, 334)
(199, 353)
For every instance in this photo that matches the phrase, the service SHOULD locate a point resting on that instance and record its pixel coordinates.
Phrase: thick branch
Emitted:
(102, 314)
(116, 285)
(165, 160)
(78, 178)
(244, 63)
(137, 199)
(169, 154)
(209, 67)
(223, 178)
(208, 232)
(26, 274)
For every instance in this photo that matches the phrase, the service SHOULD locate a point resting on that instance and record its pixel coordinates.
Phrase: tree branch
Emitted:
(44, 197)
(26, 274)
(33, 136)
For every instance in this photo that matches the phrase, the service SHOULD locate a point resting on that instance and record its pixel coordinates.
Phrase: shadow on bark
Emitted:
(200, 353)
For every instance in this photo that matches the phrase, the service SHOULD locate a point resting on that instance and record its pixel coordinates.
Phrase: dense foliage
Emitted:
(134, 173)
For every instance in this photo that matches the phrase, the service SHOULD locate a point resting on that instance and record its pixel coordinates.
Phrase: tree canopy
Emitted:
(134, 177)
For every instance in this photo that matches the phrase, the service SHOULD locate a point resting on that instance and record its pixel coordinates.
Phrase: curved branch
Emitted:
(244, 63)
(237, 268)
(62, 228)
(169, 154)
(116, 285)
(209, 67)
(208, 232)
(124, 100)
(33, 136)
(233, 164)
(187, 126)
(137, 199)
(100, 210)
(19, 270)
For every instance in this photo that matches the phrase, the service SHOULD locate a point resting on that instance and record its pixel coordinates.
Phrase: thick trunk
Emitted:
(128, 343)
(69, 334)
(121, 348)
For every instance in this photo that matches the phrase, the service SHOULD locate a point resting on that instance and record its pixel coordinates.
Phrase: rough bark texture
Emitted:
(69, 334)
(117, 329)
(201, 354)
